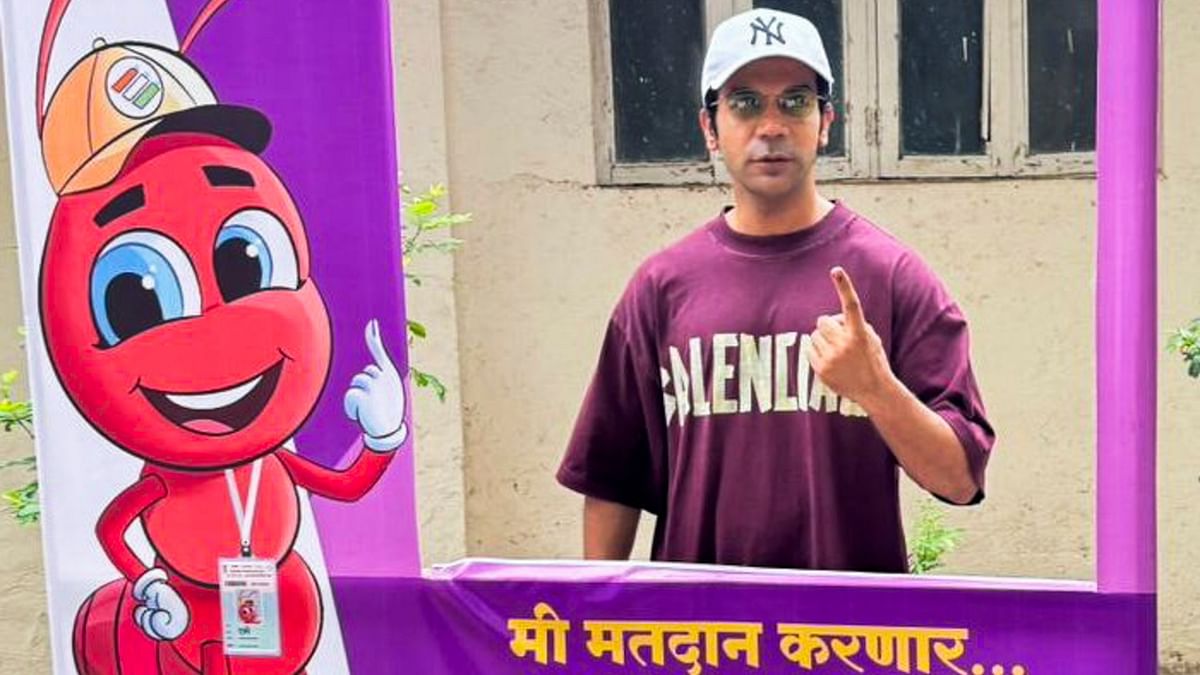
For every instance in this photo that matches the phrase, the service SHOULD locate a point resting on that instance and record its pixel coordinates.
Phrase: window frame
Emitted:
(1024, 162)
(893, 163)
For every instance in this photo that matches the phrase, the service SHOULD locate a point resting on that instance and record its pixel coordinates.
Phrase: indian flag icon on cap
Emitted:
(134, 87)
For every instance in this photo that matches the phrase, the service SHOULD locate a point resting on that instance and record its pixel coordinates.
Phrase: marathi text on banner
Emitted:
(696, 644)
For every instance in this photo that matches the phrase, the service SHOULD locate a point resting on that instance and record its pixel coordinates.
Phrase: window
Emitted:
(938, 88)
(657, 48)
(941, 95)
(1062, 76)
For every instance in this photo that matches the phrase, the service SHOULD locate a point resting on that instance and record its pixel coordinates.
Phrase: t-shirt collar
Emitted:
(775, 244)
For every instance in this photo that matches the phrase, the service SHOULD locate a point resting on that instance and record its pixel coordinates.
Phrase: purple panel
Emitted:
(459, 624)
(1126, 293)
(321, 72)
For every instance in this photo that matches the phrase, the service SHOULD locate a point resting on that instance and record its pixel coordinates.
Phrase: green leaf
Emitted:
(449, 220)
(424, 208)
(1186, 342)
(15, 414)
(30, 462)
(427, 380)
(417, 329)
(23, 503)
(448, 245)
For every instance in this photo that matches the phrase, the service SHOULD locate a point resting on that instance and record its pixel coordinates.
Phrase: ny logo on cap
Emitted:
(765, 26)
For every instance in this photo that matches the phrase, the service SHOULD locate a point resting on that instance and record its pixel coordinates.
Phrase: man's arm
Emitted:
(922, 441)
(609, 529)
(849, 357)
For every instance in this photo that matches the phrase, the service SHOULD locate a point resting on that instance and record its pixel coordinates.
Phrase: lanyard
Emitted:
(245, 517)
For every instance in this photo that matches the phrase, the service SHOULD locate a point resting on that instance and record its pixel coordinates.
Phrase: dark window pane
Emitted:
(826, 15)
(941, 77)
(657, 51)
(1062, 75)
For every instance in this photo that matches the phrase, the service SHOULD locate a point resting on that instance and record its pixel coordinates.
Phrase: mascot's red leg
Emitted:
(105, 640)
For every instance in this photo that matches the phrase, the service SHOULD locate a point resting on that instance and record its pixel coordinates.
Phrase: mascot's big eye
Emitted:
(140, 280)
(254, 253)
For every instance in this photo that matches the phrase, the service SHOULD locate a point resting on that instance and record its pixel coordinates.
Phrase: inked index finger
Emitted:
(851, 306)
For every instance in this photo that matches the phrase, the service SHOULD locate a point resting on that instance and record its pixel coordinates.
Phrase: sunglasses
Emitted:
(748, 104)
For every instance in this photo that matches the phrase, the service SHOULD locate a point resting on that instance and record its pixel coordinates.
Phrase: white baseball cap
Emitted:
(759, 34)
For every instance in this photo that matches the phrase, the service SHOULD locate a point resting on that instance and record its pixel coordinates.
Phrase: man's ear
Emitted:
(709, 131)
(828, 116)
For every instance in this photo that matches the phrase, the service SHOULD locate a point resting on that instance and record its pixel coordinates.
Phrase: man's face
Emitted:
(770, 154)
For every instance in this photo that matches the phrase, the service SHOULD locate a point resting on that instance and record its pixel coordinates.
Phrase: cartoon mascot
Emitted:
(182, 321)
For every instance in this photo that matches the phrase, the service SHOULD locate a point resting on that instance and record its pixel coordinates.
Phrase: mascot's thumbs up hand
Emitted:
(375, 398)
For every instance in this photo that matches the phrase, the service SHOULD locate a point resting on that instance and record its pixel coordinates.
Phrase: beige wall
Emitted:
(421, 127)
(505, 116)
(24, 637)
(551, 251)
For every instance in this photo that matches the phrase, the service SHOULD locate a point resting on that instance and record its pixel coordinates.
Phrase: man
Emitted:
(751, 394)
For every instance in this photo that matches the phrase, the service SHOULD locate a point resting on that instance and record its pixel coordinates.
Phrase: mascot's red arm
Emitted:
(346, 485)
(120, 514)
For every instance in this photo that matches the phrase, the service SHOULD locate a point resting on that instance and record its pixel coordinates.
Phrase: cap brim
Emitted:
(719, 81)
(245, 126)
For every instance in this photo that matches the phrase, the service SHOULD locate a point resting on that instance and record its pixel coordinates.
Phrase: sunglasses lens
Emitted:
(748, 105)
(745, 105)
(796, 105)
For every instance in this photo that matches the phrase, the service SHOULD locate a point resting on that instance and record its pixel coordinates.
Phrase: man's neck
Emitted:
(758, 217)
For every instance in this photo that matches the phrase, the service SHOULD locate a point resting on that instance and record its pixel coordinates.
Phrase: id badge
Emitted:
(249, 607)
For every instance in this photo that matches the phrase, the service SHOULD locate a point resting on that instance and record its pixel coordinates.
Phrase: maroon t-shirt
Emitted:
(705, 411)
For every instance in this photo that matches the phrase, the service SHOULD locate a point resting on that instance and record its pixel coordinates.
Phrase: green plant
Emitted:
(22, 502)
(423, 216)
(932, 540)
(1186, 342)
(18, 414)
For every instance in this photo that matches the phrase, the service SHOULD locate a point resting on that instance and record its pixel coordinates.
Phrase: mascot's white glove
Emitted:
(160, 613)
(375, 398)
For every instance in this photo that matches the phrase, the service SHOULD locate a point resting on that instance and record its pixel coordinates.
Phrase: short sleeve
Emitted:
(930, 353)
(616, 451)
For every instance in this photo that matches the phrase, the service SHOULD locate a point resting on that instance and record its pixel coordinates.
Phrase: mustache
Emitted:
(771, 152)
